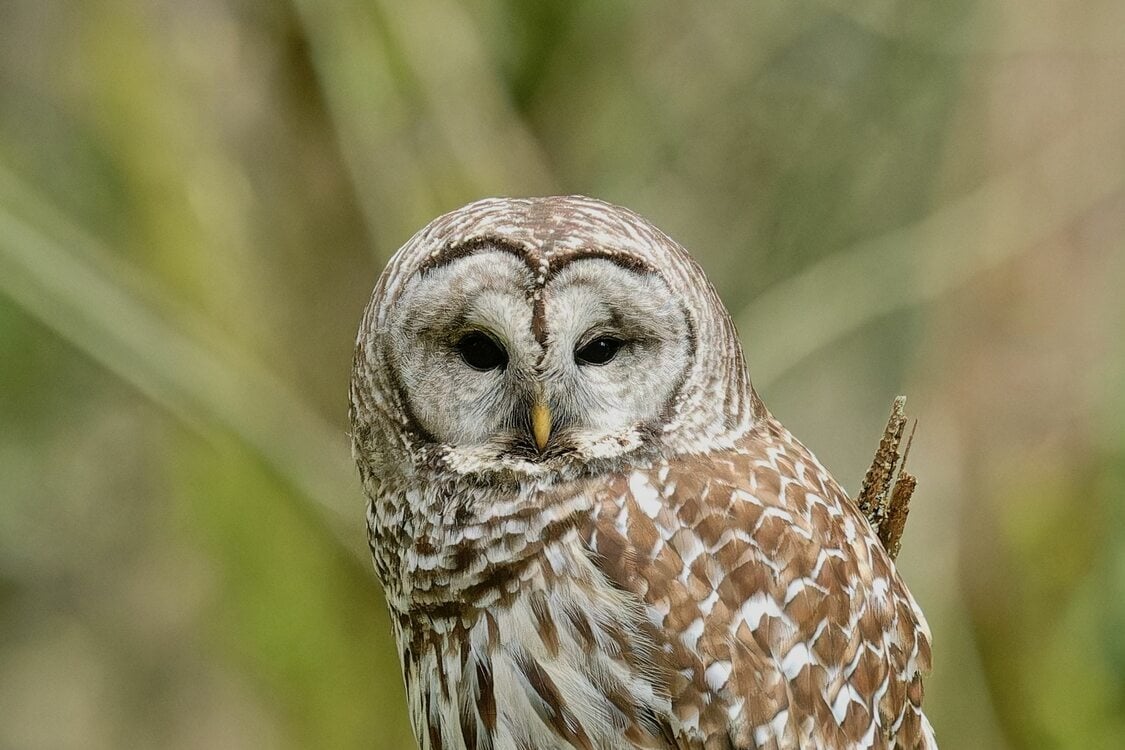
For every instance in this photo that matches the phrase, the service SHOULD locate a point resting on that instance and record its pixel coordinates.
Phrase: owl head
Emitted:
(543, 336)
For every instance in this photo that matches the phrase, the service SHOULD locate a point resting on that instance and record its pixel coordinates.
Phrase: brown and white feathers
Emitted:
(590, 530)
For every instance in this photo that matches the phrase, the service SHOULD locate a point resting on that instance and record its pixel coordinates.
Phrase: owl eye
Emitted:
(599, 351)
(481, 352)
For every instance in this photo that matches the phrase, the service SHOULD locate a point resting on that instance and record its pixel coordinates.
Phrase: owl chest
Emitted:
(436, 566)
(562, 663)
(439, 548)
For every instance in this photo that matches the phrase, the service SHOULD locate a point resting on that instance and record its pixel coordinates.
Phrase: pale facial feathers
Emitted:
(481, 415)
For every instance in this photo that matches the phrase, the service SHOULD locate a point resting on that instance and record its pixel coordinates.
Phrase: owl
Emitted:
(590, 530)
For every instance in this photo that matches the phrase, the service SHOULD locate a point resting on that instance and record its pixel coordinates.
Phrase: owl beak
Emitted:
(540, 423)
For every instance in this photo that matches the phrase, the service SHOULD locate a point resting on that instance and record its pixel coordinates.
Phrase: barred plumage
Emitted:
(623, 554)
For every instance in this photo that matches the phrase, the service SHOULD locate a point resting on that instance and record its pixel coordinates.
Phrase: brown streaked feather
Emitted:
(784, 616)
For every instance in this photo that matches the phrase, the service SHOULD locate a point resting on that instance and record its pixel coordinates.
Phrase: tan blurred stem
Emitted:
(109, 311)
(376, 67)
(919, 263)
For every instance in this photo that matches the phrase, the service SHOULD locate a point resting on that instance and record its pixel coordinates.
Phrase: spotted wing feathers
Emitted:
(781, 619)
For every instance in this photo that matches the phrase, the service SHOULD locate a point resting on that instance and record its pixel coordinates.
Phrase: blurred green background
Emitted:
(197, 197)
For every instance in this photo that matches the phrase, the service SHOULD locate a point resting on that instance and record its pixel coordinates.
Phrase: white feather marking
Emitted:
(716, 674)
(708, 604)
(754, 608)
(795, 587)
(840, 706)
(796, 660)
(778, 512)
(800, 584)
(648, 499)
(621, 523)
(691, 634)
(778, 723)
(688, 546)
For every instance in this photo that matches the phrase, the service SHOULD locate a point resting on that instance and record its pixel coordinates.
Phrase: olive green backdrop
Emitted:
(196, 199)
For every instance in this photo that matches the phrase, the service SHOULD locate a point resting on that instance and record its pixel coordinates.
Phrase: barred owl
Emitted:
(590, 530)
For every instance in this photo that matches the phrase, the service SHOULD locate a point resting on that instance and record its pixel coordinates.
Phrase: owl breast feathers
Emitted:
(590, 530)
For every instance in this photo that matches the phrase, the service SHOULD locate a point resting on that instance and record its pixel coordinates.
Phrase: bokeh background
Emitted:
(196, 199)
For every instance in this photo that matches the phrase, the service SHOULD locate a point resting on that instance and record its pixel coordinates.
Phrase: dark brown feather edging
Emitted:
(887, 487)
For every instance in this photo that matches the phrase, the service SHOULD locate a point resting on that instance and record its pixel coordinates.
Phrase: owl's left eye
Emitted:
(599, 351)
(481, 352)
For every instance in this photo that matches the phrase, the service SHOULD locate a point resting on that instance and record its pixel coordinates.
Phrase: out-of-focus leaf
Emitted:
(915, 265)
(381, 77)
(100, 307)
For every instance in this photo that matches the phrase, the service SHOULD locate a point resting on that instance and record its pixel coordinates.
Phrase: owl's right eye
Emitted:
(481, 352)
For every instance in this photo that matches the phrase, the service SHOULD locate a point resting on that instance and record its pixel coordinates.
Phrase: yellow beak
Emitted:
(540, 423)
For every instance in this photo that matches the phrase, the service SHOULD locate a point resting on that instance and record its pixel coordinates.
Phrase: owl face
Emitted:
(542, 336)
(502, 367)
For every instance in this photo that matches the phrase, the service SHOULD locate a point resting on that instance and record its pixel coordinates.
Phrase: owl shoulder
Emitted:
(774, 599)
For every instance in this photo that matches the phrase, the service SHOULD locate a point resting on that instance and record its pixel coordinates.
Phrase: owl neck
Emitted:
(439, 542)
